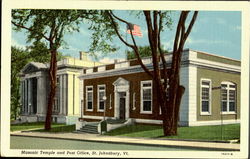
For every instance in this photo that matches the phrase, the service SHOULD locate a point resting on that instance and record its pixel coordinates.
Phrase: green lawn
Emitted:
(40, 125)
(212, 133)
(59, 128)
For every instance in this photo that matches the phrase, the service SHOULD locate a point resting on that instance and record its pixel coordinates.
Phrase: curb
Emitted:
(133, 143)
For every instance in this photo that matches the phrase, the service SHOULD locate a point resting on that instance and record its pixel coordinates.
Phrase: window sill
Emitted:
(89, 110)
(100, 110)
(228, 113)
(144, 112)
(203, 114)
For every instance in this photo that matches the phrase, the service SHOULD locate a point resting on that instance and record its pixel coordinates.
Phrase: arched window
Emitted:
(228, 97)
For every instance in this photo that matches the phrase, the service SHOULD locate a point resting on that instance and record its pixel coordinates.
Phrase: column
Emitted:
(25, 97)
(29, 92)
(65, 94)
(60, 95)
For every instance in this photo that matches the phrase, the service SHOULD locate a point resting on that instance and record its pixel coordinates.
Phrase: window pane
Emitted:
(231, 106)
(89, 88)
(223, 86)
(101, 95)
(205, 93)
(89, 105)
(224, 94)
(89, 97)
(205, 106)
(207, 83)
(147, 94)
(224, 106)
(232, 95)
(102, 88)
(146, 84)
(101, 105)
(232, 86)
(146, 105)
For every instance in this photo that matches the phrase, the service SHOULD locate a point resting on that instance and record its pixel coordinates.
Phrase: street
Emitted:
(19, 142)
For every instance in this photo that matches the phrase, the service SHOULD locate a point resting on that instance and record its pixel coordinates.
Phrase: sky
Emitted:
(215, 32)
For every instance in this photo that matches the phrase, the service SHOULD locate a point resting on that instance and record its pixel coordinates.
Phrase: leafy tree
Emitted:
(168, 99)
(48, 26)
(19, 58)
(144, 51)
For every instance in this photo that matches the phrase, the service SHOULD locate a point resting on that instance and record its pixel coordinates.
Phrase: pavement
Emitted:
(217, 146)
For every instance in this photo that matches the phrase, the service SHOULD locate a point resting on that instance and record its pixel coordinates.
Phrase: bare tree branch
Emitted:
(191, 25)
(134, 47)
(29, 29)
(111, 15)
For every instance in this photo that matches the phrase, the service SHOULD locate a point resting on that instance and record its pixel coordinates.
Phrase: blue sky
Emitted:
(216, 32)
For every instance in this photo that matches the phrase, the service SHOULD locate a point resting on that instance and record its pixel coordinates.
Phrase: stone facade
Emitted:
(35, 88)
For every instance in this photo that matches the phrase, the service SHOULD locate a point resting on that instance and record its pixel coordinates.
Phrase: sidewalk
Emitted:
(128, 140)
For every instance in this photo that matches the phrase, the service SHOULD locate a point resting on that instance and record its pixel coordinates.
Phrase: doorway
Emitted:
(122, 104)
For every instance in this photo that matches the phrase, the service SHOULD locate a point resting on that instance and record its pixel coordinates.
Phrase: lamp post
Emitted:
(221, 107)
(104, 99)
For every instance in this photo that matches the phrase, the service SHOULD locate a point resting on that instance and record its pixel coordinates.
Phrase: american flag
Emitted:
(136, 30)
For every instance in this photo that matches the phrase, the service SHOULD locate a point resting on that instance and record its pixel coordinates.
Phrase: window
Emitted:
(146, 96)
(205, 97)
(89, 98)
(228, 97)
(101, 94)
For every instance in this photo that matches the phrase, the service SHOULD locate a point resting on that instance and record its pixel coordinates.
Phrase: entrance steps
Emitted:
(103, 126)
(90, 127)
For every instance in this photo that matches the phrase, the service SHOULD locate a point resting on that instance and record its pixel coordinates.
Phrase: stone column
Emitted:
(29, 96)
(60, 95)
(25, 96)
(41, 94)
(65, 92)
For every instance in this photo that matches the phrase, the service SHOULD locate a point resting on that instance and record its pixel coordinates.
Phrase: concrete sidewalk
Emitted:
(129, 140)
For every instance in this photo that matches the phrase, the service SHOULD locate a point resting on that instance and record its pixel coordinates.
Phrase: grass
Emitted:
(55, 127)
(63, 128)
(211, 133)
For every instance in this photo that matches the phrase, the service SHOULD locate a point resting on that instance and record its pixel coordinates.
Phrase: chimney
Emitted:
(83, 56)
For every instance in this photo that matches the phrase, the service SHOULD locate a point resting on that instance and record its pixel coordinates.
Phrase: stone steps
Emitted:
(89, 128)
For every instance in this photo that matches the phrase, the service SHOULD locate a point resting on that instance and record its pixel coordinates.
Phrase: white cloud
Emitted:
(17, 44)
(168, 45)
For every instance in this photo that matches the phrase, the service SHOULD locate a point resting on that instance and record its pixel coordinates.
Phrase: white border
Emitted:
(7, 5)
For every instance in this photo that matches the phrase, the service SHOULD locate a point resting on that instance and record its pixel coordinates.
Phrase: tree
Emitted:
(168, 98)
(19, 58)
(48, 26)
(144, 51)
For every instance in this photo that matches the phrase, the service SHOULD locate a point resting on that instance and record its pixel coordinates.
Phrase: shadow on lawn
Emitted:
(133, 129)
(64, 128)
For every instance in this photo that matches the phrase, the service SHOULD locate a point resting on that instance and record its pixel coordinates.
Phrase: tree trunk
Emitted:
(170, 118)
(52, 77)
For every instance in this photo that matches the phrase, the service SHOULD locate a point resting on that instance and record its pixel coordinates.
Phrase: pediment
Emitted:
(121, 82)
(32, 67)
